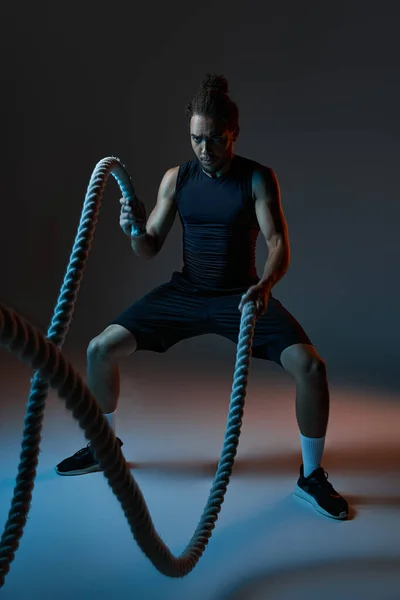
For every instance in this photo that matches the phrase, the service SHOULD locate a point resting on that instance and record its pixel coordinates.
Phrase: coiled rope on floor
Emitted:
(52, 369)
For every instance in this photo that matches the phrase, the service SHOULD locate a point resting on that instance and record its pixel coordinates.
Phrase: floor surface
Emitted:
(266, 545)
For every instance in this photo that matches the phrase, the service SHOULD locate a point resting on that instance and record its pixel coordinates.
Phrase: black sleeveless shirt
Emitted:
(220, 227)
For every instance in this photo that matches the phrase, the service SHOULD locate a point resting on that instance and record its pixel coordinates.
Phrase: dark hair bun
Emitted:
(216, 82)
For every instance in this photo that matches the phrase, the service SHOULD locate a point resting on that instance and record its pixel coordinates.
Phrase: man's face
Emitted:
(212, 143)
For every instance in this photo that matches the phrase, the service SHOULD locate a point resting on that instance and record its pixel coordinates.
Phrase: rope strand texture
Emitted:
(53, 370)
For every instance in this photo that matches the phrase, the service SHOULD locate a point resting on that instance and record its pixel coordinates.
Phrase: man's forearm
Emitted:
(276, 265)
(144, 246)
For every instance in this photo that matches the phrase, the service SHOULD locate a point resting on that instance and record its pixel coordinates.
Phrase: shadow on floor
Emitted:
(360, 460)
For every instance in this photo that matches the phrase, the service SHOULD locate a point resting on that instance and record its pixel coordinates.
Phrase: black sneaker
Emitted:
(80, 463)
(317, 490)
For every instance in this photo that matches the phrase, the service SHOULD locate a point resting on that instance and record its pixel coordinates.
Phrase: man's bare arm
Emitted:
(272, 224)
(160, 220)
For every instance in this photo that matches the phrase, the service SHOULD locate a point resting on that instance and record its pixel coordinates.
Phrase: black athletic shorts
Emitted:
(174, 311)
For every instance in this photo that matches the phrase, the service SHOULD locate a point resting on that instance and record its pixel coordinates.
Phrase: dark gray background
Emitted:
(317, 84)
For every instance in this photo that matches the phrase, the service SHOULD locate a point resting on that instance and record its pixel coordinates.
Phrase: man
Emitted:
(223, 201)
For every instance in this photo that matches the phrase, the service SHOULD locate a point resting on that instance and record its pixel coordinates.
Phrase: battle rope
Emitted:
(53, 370)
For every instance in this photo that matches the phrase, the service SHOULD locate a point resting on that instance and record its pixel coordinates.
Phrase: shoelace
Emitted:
(320, 477)
(83, 450)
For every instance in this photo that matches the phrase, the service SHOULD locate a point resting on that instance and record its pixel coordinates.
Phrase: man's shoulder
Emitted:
(189, 162)
(183, 169)
(182, 173)
(179, 170)
(254, 168)
(251, 163)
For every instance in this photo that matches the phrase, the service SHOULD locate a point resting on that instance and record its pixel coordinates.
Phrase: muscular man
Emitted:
(223, 201)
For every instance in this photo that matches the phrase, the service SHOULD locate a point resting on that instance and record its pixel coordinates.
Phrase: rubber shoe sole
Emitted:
(92, 469)
(311, 500)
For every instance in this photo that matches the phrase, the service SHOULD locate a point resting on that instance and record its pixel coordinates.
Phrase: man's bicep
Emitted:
(163, 215)
(268, 205)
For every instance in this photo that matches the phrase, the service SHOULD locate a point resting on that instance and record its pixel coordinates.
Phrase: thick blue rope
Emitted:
(53, 370)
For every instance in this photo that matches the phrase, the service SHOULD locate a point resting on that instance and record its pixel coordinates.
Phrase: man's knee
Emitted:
(303, 361)
(113, 343)
(98, 349)
(314, 366)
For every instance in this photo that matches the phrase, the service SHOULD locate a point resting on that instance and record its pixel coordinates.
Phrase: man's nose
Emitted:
(206, 146)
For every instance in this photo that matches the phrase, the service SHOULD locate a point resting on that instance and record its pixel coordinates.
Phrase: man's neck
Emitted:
(222, 171)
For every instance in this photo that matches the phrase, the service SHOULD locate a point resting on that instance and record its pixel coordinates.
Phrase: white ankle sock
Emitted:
(111, 420)
(312, 450)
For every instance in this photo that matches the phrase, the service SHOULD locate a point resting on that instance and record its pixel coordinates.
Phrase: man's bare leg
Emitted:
(104, 353)
(312, 400)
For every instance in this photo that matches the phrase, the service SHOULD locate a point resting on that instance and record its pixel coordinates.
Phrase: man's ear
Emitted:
(235, 133)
